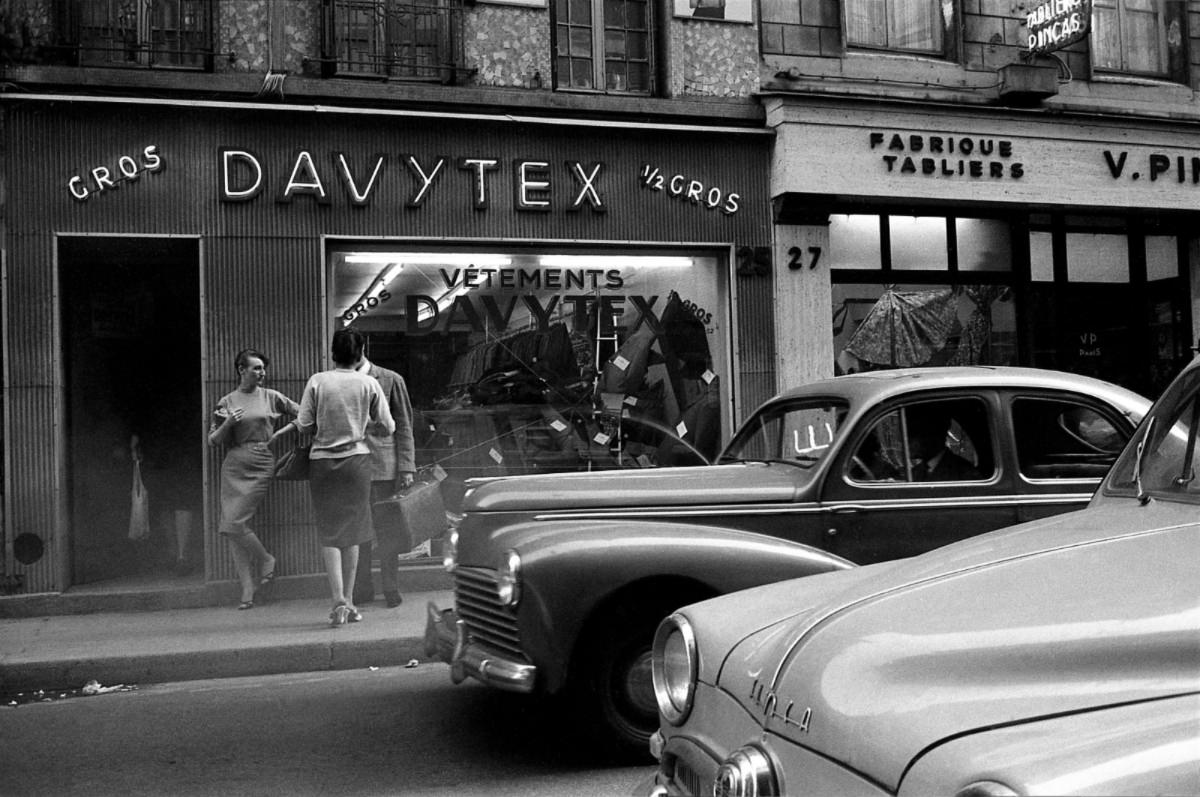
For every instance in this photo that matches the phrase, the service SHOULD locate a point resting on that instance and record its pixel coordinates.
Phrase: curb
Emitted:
(334, 654)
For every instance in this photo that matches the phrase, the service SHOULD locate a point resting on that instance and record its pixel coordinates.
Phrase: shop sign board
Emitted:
(1054, 24)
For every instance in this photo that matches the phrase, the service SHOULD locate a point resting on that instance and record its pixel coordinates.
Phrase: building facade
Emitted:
(589, 235)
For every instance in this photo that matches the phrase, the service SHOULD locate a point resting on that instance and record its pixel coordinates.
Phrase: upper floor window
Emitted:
(1139, 37)
(146, 33)
(405, 39)
(914, 26)
(604, 45)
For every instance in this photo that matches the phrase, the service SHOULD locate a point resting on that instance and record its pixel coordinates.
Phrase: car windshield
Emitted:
(1170, 455)
(799, 432)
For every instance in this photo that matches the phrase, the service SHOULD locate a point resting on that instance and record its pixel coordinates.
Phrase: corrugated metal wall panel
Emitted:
(756, 342)
(32, 433)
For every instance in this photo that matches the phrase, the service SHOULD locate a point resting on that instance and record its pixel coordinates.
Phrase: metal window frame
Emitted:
(126, 32)
(403, 40)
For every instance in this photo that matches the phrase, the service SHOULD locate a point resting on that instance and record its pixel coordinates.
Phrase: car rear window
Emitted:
(1064, 439)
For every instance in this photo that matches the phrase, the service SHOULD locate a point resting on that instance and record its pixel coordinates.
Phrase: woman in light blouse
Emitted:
(337, 407)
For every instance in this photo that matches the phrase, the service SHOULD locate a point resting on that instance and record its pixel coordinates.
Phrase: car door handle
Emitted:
(846, 509)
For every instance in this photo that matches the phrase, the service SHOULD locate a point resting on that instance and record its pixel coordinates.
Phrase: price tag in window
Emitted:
(558, 425)
(438, 473)
(708, 377)
(681, 429)
(620, 362)
(496, 455)
(601, 438)
(631, 401)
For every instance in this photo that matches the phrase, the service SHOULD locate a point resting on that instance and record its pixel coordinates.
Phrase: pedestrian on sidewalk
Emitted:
(393, 466)
(336, 409)
(245, 420)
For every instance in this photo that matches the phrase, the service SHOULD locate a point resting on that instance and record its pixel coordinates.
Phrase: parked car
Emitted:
(561, 580)
(1060, 656)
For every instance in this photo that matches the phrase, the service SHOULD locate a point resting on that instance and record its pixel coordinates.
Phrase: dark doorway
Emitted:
(131, 339)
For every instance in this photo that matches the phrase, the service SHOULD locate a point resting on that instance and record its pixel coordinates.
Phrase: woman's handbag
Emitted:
(292, 464)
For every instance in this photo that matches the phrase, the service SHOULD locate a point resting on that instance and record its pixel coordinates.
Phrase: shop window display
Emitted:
(898, 326)
(522, 362)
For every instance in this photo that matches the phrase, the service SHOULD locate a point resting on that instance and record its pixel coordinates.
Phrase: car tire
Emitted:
(613, 689)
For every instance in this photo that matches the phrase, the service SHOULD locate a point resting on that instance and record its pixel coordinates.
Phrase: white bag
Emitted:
(139, 509)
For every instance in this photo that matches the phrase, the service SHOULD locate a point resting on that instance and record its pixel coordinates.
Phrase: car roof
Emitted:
(873, 386)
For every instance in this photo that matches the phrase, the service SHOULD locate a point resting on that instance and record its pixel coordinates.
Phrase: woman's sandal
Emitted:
(353, 615)
(244, 605)
(267, 580)
(339, 615)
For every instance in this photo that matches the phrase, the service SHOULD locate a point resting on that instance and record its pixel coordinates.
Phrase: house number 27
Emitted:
(796, 257)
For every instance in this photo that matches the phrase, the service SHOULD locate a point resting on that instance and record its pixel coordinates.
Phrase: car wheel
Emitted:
(615, 684)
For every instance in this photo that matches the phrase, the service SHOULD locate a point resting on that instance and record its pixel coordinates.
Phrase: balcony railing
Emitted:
(164, 34)
(395, 39)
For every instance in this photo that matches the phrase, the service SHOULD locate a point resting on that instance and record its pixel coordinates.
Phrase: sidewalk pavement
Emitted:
(66, 651)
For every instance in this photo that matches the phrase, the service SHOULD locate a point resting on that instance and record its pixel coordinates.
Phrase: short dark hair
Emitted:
(347, 346)
(243, 359)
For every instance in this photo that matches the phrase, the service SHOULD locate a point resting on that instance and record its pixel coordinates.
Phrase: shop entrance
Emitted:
(130, 311)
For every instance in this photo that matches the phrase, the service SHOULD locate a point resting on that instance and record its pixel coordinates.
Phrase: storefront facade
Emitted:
(558, 296)
(941, 236)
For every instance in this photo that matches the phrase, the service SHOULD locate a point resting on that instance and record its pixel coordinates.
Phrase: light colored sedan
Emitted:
(1060, 656)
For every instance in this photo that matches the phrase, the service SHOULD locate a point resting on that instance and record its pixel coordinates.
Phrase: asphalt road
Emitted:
(390, 731)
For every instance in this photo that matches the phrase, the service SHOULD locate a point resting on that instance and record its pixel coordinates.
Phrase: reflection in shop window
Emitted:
(897, 326)
(983, 245)
(524, 362)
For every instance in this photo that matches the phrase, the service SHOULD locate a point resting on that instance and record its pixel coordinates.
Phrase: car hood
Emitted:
(1046, 618)
(741, 483)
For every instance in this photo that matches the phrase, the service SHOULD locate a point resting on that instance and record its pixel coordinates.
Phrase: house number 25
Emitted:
(796, 257)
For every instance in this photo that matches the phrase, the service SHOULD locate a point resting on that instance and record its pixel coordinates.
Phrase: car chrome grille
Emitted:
(488, 623)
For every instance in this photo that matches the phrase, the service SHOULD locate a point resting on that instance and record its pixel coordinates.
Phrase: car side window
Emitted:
(1064, 439)
(932, 441)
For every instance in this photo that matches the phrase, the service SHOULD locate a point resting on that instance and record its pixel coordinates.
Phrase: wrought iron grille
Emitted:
(166, 34)
(400, 39)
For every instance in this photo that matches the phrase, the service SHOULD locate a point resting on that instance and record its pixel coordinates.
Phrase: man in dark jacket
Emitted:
(393, 466)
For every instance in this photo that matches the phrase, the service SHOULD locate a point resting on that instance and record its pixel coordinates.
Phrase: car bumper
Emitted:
(446, 639)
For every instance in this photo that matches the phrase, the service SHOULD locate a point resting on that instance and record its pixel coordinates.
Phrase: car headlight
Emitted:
(508, 579)
(747, 772)
(450, 549)
(673, 668)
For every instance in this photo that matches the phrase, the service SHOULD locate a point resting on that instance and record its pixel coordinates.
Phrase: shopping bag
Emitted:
(416, 515)
(292, 465)
(139, 509)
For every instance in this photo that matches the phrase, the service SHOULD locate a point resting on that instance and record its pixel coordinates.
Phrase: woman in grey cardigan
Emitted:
(337, 408)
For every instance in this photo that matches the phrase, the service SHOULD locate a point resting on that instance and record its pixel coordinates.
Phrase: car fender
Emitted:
(570, 570)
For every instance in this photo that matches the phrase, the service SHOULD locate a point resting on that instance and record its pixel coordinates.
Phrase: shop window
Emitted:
(604, 45)
(983, 245)
(897, 326)
(1097, 257)
(1064, 439)
(399, 39)
(1140, 37)
(144, 33)
(855, 241)
(918, 243)
(521, 362)
(935, 441)
(911, 26)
